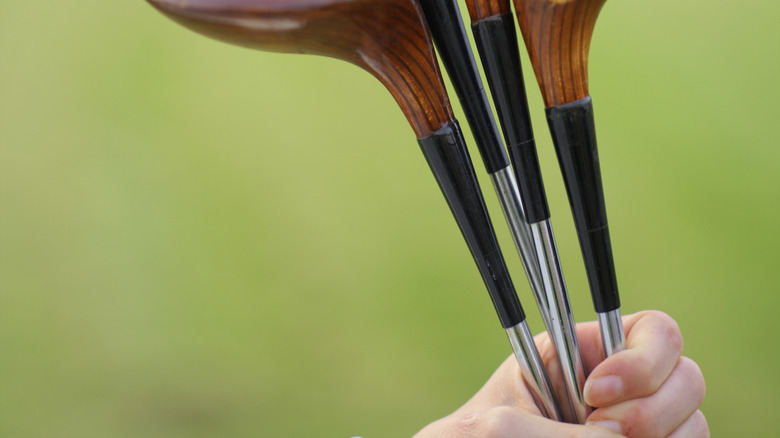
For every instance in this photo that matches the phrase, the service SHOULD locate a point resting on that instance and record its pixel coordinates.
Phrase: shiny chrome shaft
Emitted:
(612, 335)
(536, 245)
(509, 196)
(533, 370)
(561, 328)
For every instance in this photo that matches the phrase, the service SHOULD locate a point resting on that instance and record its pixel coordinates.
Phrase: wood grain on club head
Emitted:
(557, 34)
(481, 9)
(388, 38)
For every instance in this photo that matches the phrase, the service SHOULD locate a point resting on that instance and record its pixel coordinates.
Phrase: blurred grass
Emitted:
(198, 240)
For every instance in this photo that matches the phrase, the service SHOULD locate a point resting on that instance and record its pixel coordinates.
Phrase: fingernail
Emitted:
(603, 390)
(610, 425)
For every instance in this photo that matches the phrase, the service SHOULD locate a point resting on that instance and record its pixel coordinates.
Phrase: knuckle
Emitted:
(693, 375)
(497, 422)
(637, 420)
(644, 370)
(702, 428)
(670, 330)
(644, 377)
(467, 425)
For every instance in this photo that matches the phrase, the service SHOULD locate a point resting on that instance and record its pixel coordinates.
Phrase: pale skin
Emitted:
(647, 391)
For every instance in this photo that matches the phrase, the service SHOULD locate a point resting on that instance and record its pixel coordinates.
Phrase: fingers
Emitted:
(647, 390)
(504, 408)
(695, 427)
(664, 411)
(654, 345)
(507, 422)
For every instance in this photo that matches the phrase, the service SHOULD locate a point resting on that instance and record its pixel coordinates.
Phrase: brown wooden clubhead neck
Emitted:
(481, 9)
(388, 38)
(557, 34)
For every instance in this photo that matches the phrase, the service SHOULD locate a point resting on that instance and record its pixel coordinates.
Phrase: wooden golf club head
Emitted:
(557, 34)
(388, 38)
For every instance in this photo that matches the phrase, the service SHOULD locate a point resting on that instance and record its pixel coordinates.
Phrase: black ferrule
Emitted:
(496, 41)
(446, 153)
(574, 135)
(449, 35)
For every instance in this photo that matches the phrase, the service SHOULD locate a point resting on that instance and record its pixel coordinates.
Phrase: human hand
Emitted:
(647, 390)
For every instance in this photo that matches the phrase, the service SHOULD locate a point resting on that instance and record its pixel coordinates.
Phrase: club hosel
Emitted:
(484, 129)
(446, 154)
(574, 135)
(449, 36)
(600, 268)
(496, 41)
(525, 164)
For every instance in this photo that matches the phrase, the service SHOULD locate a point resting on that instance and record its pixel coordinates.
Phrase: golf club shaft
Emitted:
(562, 328)
(505, 186)
(533, 370)
(447, 155)
(558, 320)
(496, 40)
(612, 335)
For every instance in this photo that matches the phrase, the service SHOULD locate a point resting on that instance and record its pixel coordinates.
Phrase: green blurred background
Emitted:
(198, 240)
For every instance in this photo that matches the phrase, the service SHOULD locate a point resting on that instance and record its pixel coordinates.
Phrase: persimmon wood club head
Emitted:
(386, 38)
(557, 35)
(389, 39)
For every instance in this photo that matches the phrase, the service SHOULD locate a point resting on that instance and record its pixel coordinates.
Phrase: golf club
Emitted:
(557, 36)
(389, 39)
(492, 25)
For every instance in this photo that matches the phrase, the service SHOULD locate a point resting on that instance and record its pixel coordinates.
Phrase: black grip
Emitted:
(446, 153)
(496, 41)
(449, 35)
(574, 135)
